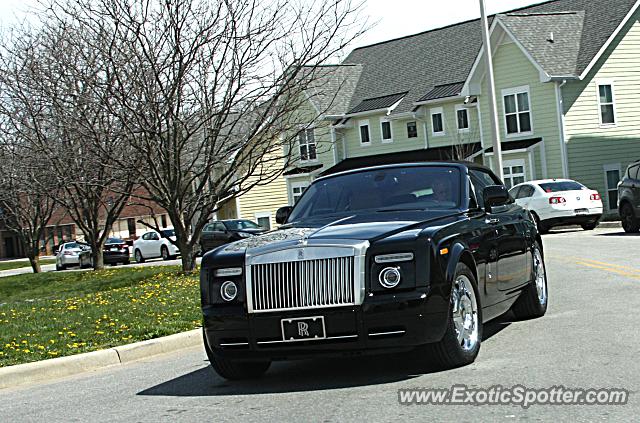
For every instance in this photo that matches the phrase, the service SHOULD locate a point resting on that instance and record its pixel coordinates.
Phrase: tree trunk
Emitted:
(97, 257)
(35, 263)
(188, 257)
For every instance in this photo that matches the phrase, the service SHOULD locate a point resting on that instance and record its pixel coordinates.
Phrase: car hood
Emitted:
(365, 227)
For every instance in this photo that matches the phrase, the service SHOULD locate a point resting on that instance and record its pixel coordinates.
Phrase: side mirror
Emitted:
(495, 195)
(283, 214)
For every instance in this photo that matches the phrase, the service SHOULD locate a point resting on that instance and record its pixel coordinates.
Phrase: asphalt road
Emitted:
(52, 267)
(588, 339)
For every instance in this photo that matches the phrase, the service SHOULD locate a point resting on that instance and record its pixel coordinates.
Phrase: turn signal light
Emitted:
(557, 200)
(595, 197)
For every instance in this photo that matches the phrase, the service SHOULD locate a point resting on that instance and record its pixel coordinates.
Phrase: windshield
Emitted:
(236, 225)
(561, 186)
(167, 233)
(391, 189)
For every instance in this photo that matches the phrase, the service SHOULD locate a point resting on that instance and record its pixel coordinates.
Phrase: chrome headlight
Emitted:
(231, 271)
(244, 234)
(394, 258)
(228, 291)
(389, 277)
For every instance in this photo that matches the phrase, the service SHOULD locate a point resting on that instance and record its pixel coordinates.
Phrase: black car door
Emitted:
(220, 235)
(206, 238)
(509, 245)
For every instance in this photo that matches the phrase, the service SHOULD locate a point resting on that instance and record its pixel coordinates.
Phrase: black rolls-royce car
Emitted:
(375, 260)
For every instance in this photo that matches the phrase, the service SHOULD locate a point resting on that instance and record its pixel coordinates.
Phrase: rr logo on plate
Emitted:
(303, 329)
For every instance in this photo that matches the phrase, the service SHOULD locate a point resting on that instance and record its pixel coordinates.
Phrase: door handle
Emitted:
(492, 220)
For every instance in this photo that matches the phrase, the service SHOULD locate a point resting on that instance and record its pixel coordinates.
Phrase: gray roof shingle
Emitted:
(332, 86)
(377, 103)
(418, 63)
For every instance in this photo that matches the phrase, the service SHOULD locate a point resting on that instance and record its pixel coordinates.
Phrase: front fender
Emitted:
(456, 253)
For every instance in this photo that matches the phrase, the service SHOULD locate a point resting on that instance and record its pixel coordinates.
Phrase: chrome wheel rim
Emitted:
(540, 277)
(465, 313)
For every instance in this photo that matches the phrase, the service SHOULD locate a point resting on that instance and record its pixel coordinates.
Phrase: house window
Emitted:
(462, 119)
(365, 136)
(607, 104)
(612, 177)
(412, 130)
(131, 226)
(307, 142)
(514, 173)
(163, 218)
(517, 111)
(297, 190)
(437, 121)
(263, 219)
(385, 128)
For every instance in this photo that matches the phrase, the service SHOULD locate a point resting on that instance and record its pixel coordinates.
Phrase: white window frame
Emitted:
(608, 168)
(511, 164)
(362, 123)
(436, 111)
(462, 130)
(299, 185)
(390, 140)
(610, 82)
(305, 129)
(515, 91)
(261, 215)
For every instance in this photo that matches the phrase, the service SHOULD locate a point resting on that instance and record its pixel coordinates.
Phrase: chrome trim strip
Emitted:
(393, 258)
(328, 338)
(397, 332)
(234, 344)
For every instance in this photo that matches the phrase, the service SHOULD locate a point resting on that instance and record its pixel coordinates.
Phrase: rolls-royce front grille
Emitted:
(303, 284)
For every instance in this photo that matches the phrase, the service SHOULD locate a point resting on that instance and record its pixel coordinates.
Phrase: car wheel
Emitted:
(589, 226)
(234, 370)
(542, 227)
(164, 252)
(60, 267)
(126, 263)
(630, 223)
(534, 298)
(461, 342)
(138, 256)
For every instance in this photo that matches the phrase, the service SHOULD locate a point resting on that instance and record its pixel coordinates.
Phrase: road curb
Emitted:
(23, 374)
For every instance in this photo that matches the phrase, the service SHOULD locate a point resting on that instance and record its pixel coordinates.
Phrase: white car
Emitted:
(69, 254)
(555, 202)
(155, 244)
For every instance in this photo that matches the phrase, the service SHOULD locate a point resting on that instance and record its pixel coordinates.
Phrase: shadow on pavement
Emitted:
(621, 233)
(310, 375)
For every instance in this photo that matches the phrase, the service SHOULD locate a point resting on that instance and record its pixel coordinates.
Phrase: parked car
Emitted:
(68, 254)
(222, 232)
(115, 251)
(555, 202)
(154, 244)
(379, 259)
(629, 198)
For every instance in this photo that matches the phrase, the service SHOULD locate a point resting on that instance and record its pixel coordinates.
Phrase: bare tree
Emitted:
(211, 92)
(56, 88)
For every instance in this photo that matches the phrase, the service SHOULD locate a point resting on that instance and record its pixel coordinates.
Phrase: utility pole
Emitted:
(493, 106)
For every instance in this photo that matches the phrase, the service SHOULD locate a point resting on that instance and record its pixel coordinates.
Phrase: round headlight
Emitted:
(228, 291)
(389, 277)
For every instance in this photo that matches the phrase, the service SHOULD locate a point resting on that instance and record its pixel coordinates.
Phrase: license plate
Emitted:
(303, 329)
(582, 211)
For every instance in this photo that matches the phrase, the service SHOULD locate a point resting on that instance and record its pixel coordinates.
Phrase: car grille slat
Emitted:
(302, 284)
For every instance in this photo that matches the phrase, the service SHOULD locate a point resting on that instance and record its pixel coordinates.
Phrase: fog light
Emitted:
(228, 291)
(389, 277)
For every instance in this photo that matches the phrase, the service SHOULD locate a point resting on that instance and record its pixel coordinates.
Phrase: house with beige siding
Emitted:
(567, 77)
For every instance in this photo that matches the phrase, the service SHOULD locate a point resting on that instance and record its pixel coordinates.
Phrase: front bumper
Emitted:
(384, 323)
(69, 260)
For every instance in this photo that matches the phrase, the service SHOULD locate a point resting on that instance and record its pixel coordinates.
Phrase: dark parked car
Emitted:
(215, 234)
(115, 251)
(388, 258)
(629, 198)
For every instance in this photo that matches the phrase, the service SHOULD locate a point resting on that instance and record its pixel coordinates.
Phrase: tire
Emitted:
(589, 226)
(455, 350)
(164, 253)
(235, 370)
(534, 299)
(60, 267)
(630, 223)
(126, 263)
(542, 228)
(138, 256)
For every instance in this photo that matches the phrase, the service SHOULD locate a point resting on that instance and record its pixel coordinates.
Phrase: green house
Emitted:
(567, 76)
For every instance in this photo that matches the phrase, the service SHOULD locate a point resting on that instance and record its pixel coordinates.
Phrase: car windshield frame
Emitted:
(402, 179)
(232, 225)
(550, 187)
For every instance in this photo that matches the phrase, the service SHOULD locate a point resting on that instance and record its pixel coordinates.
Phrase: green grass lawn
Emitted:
(57, 314)
(10, 265)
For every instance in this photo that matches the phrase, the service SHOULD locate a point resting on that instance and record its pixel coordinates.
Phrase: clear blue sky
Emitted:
(395, 18)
